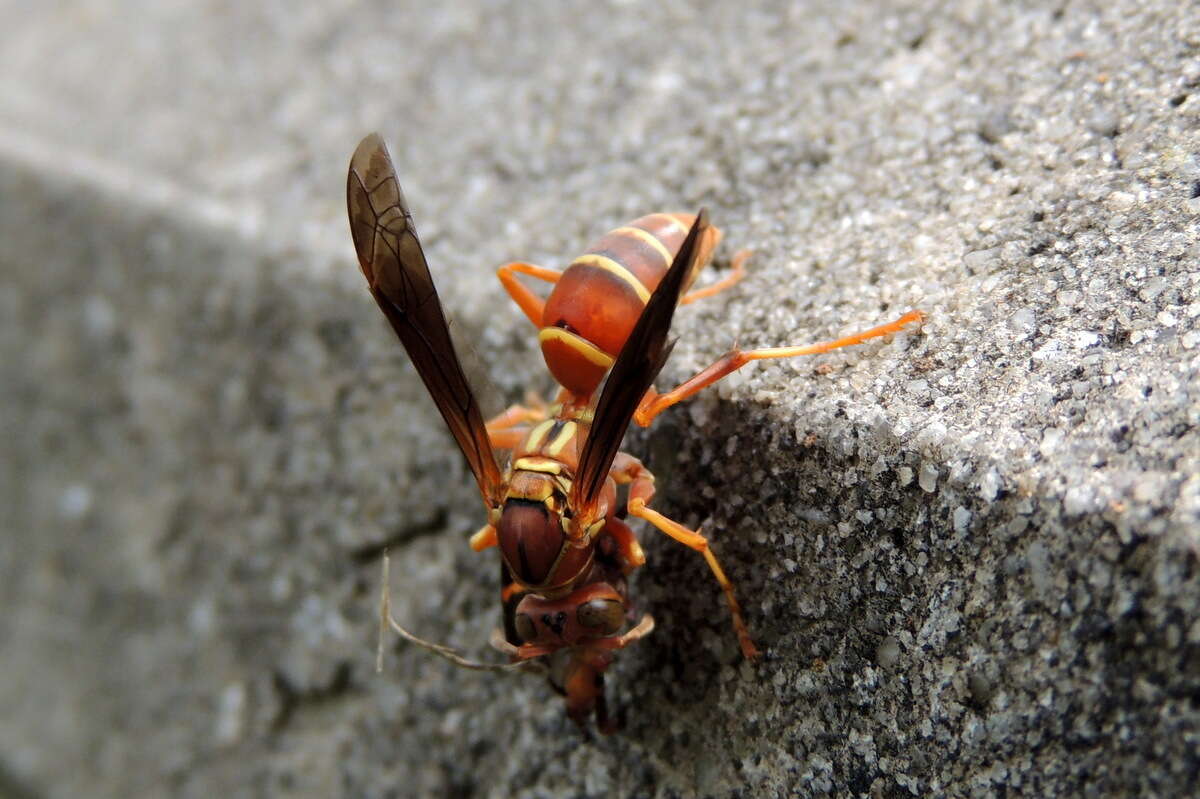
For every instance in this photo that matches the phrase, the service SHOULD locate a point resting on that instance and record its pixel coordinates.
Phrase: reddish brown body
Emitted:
(554, 514)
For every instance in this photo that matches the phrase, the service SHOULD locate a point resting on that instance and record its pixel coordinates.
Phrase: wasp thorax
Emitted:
(531, 539)
(601, 616)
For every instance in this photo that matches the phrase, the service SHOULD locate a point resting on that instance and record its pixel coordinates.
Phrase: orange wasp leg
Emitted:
(528, 302)
(515, 415)
(629, 551)
(484, 538)
(503, 429)
(641, 490)
(507, 439)
(737, 271)
(654, 403)
(511, 590)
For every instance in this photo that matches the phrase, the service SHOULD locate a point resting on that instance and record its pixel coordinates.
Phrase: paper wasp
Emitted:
(553, 513)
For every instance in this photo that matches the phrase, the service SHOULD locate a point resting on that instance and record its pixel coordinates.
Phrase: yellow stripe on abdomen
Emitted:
(647, 237)
(612, 267)
(577, 343)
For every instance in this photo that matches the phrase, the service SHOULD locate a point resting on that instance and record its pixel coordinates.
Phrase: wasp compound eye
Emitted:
(603, 616)
(525, 628)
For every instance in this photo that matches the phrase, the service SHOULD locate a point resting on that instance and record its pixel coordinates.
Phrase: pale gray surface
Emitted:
(968, 553)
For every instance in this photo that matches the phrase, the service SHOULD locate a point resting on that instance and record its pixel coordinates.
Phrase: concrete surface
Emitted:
(969, 553)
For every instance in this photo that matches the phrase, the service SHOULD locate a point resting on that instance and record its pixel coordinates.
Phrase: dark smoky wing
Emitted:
(398, 276)
(640, 360)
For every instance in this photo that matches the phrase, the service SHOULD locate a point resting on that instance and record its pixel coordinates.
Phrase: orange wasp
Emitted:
(554, 513)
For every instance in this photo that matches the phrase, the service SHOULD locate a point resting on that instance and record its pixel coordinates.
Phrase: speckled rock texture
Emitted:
(969, 552)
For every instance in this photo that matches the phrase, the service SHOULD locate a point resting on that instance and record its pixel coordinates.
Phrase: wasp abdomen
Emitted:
(601, 294)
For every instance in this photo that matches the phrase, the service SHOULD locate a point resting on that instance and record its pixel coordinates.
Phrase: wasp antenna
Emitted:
(385, 610)
(453, 655)
(387, 620)
(501, 644)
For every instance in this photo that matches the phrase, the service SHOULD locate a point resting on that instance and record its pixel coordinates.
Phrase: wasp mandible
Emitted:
(553, 513)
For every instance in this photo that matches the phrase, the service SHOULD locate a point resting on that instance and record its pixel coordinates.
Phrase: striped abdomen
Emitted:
(600, 296)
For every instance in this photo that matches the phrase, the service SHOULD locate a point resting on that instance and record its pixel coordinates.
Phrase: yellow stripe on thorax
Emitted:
(536, 463)
(609, 265)
(564, 436)
(537, 435)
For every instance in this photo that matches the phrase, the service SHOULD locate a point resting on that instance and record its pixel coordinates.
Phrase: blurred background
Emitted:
(968, 552)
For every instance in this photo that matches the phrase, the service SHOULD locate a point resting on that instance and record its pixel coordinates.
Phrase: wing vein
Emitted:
(398, 277)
